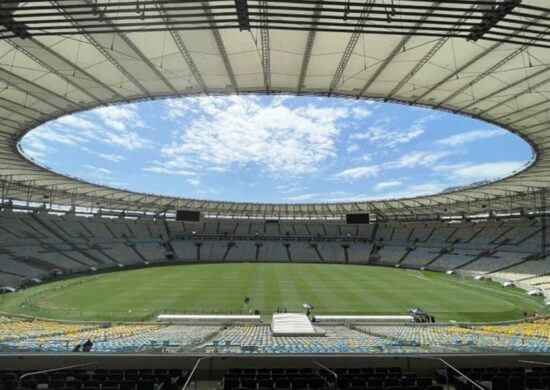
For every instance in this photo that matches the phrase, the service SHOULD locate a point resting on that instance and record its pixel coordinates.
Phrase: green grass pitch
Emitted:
(140, 294)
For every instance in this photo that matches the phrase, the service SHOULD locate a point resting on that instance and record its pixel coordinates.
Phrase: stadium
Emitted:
(112, 289)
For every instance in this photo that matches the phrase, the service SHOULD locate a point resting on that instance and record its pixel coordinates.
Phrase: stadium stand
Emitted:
(358, 252)
(454, 259)
(38, 335)
(444, 339)
(18, 334)
(273, 251)
(41, 245)
(336, 340)
(390, 254)
(243, 250)
(420, 257)
(524, 270)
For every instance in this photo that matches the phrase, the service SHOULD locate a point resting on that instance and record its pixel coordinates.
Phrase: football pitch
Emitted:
(141, 294)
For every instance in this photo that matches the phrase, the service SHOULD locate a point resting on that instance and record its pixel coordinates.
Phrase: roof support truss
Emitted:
(221, 47)
(348, 51)
(264, 33)
(183, 49)
(309, 47)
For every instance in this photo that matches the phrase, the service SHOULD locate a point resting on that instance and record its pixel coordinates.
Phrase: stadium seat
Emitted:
(29, 383)
(248, 383)
(423, 382)
(500, 382)
(282, 383)
(228, 384)
(316, 383)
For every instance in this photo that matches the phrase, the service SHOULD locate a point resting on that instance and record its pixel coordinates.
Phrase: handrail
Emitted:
(455, 370)
(194, 369)
(54, 369)
(330, 371)
(534, 362)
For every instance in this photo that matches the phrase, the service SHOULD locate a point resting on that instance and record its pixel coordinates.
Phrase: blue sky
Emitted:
(276, 149)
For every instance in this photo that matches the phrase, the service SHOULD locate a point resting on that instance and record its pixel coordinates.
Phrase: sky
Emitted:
(283, 149)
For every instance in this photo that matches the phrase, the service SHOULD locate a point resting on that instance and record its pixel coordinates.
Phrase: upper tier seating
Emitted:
(41, 244)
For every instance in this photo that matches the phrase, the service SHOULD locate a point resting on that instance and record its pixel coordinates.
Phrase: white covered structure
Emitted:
(293, 324)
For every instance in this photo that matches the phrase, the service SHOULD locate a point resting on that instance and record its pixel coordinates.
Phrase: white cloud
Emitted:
(418, 158)
(383, 133)
(116, 158)
(108, 125)
(127, 140)
(301, 197)
(387, 184)
(469, 136)
(35, 148)
(346, 198)
(218, 169)
(291, 187)
(119, 117)
(112, 157)
(428, 188)
(168, 170)
(238, 131)
(411, 191)
(352, 148)
(360, 112)
(366, 157)
(280, 99)
(193, 182)
(472, 172)
(58, 135)
(77, 121)
(358, 172)
(409, 160)
(99, 170)
(179, 108)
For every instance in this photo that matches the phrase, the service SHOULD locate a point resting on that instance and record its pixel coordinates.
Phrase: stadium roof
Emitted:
(486, 59)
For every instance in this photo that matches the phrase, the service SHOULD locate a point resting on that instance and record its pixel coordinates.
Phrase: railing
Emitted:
(54, 370)
(449, 365)
(534, 362)
(334, 374)
(193, 370)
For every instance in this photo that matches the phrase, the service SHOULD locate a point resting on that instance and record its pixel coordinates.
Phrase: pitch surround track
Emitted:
(501, 81)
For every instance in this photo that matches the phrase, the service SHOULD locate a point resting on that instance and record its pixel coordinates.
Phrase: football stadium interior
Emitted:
(109, 289)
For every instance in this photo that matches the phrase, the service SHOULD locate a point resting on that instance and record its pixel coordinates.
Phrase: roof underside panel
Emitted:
(325, 57)
(286, 57)
(244, 59)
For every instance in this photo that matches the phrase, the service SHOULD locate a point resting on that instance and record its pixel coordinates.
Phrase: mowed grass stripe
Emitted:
(139, 294)
(377, 292)
(272, 287)
(345, 297)
(290, 290)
